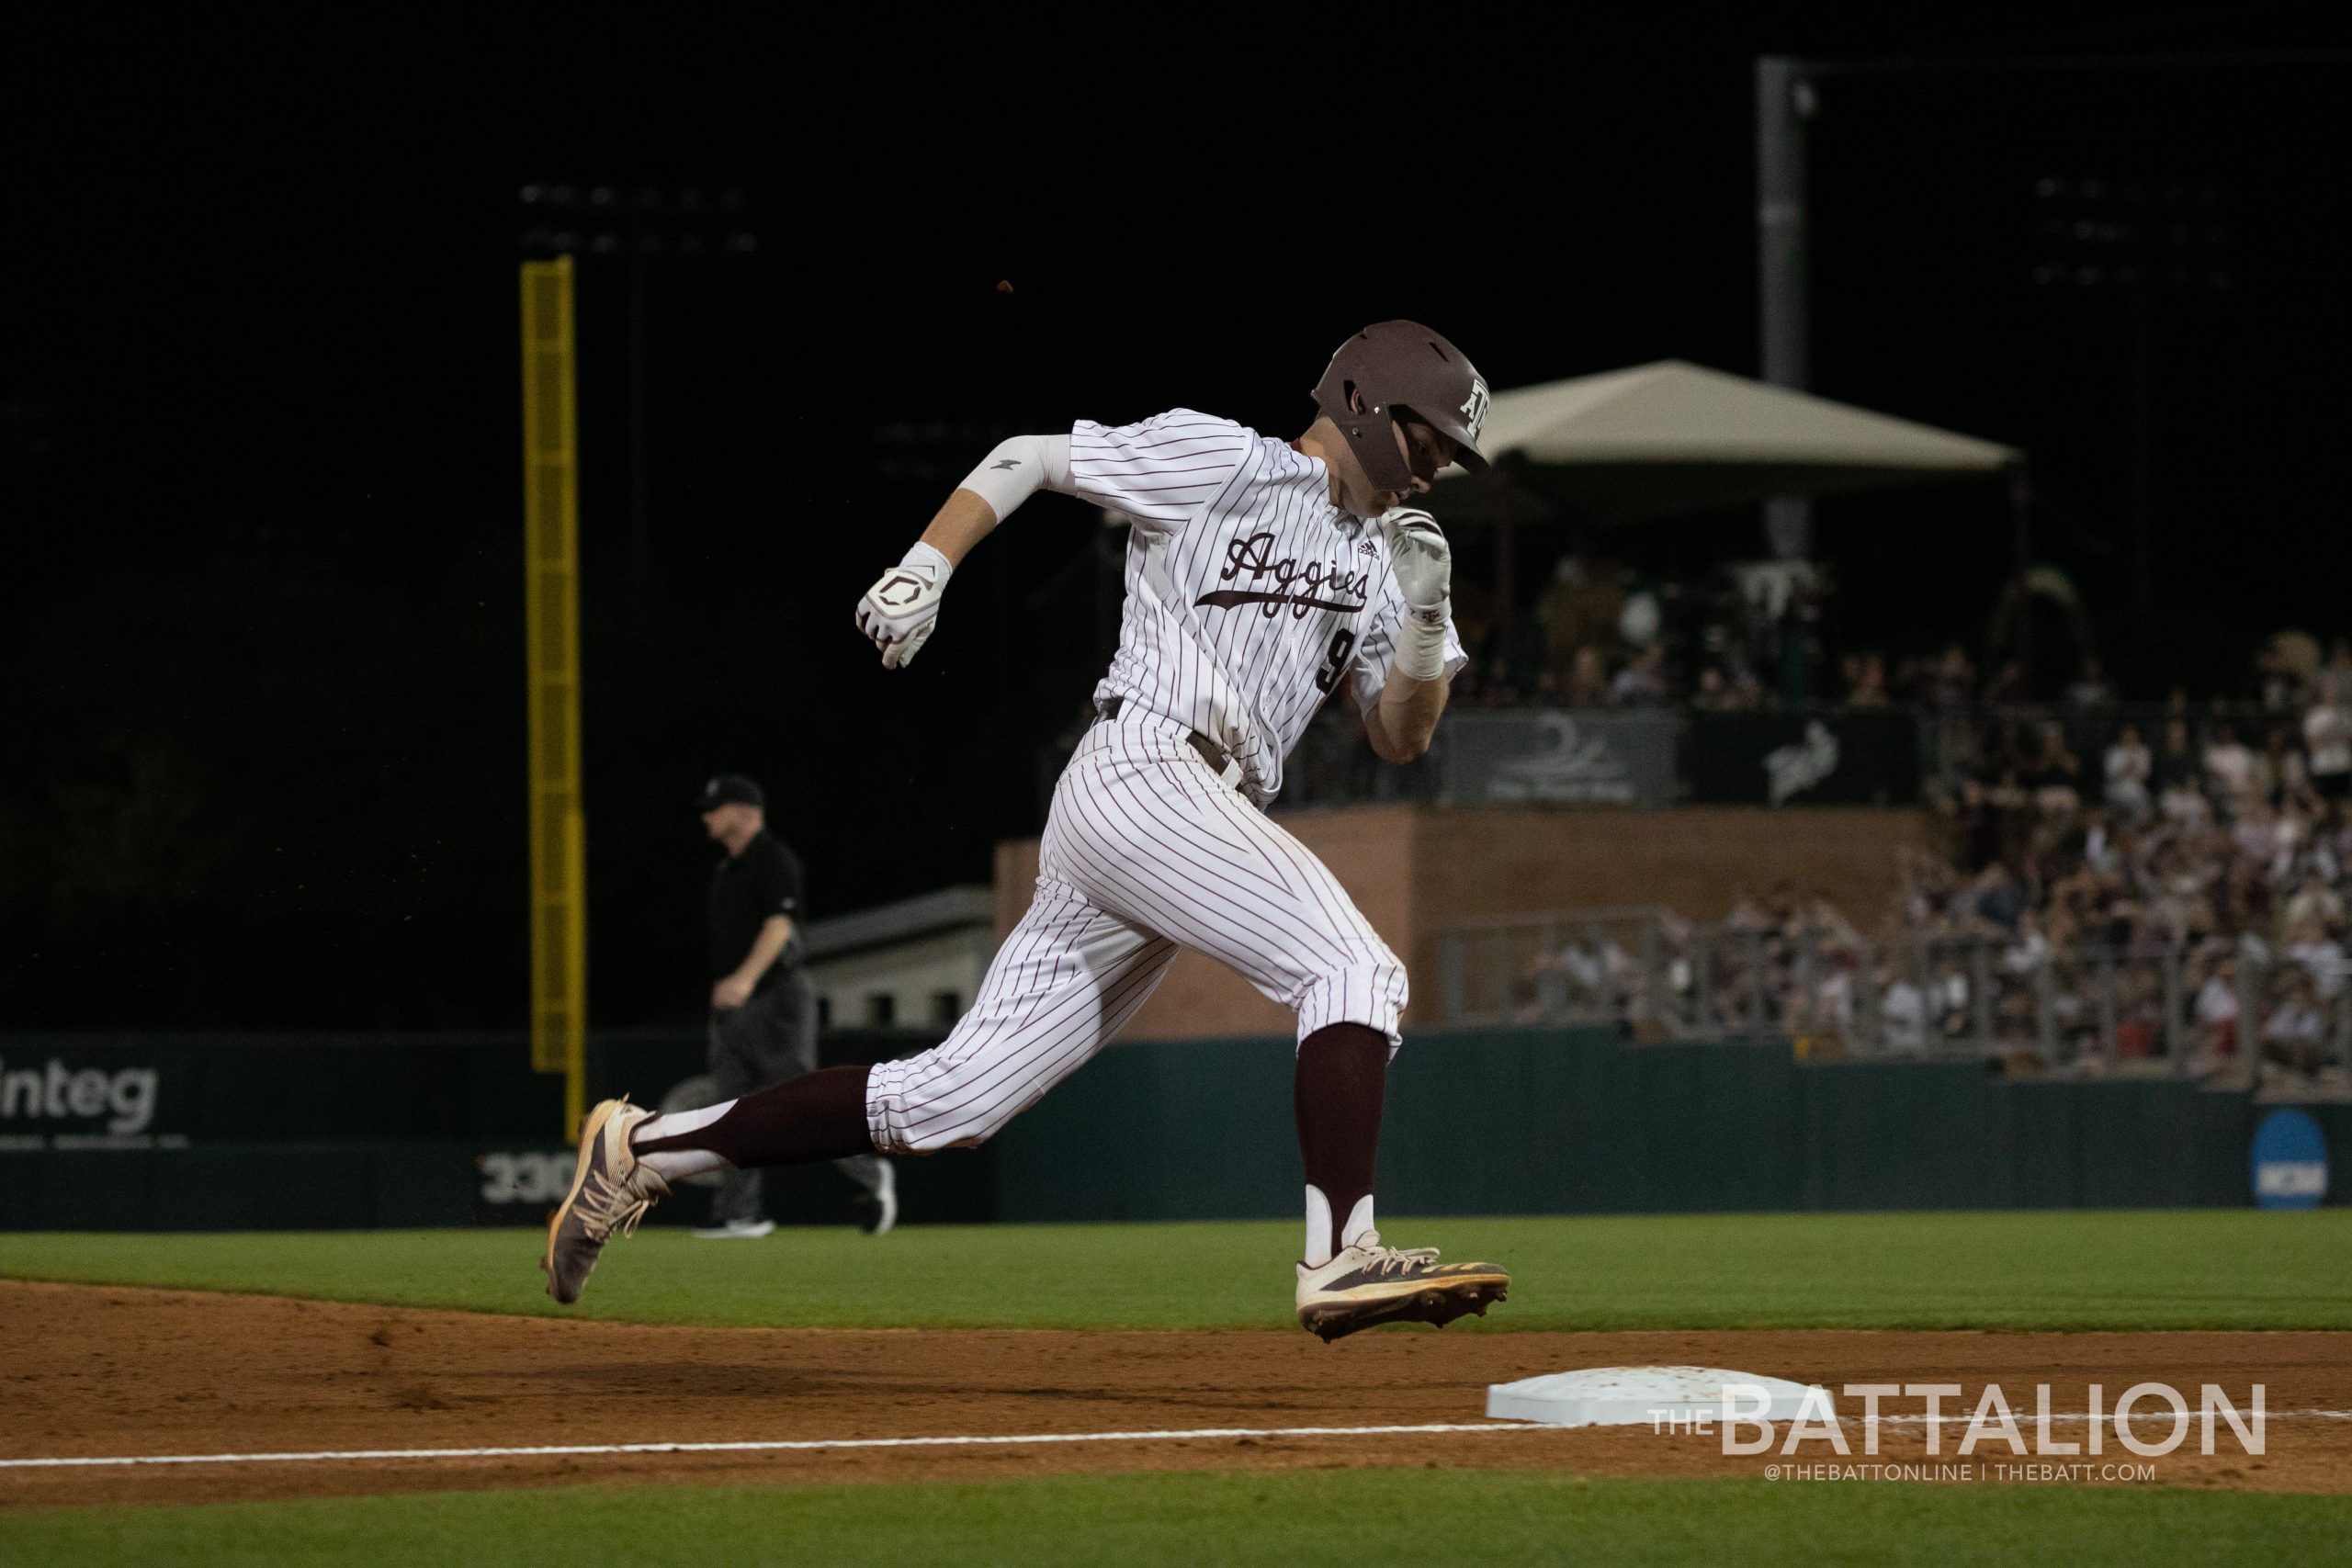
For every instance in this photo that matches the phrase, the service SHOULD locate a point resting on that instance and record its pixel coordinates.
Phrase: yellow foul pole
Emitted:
(551, 623)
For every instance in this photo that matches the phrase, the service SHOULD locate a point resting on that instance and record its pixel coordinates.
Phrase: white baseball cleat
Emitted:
(610, 1193)
(1368, 1284)
(737, 1229)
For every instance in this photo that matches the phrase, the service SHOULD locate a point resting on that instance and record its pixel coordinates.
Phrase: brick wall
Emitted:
(1414, 870)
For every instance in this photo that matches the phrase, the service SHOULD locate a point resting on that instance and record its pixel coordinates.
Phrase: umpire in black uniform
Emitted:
(762, 1010)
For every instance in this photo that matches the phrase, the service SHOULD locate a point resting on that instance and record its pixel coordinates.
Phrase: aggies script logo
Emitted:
(1317, 585)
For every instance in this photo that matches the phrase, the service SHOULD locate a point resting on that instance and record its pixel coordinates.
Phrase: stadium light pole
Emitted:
(637, 226)
(2144, 240)
(1785, 101)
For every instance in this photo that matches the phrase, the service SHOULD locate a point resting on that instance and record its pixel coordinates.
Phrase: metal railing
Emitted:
(1584, 967)
(2157, 1009)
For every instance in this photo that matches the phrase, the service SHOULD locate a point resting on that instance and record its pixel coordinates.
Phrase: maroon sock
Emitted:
(1336, 1092)
(820, 1115)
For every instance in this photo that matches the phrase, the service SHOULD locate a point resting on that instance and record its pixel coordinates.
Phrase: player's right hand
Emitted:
(900, 610)
(1418, 555)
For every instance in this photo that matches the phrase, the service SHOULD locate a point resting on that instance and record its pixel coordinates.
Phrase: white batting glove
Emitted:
(900, 611)
(1423, 563)
(1418, 555)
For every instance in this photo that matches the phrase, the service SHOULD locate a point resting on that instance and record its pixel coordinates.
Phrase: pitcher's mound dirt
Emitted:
(89, 1370)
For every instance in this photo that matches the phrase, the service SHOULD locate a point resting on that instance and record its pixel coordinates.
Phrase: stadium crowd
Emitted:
(1602, 635)
(2101, 897)
(2224, 843)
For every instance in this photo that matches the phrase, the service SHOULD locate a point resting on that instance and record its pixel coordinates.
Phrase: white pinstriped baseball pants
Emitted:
(1146, 850)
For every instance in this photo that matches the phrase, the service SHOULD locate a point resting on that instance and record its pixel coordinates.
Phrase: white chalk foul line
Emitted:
(801, 1445)
(806, 1445)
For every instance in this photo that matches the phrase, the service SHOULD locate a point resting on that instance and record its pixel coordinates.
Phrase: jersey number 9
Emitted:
(1335, 663)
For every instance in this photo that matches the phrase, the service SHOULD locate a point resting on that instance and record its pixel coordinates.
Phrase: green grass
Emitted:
(1297, 1519)
(2142, 1269)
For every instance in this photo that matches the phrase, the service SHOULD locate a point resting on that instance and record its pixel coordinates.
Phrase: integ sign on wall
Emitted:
(53, 1105)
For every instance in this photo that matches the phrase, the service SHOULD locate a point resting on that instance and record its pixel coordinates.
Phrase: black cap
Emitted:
(731, 789)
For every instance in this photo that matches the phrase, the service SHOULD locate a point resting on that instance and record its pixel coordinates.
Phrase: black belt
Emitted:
(1218, 759)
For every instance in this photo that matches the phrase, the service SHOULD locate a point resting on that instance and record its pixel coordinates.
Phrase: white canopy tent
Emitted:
(1671, 437)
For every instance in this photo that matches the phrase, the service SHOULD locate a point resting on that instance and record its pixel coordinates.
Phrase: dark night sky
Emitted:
(263, 714)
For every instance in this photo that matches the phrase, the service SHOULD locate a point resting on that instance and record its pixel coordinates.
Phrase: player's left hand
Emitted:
(1418, 555)
(731, 993)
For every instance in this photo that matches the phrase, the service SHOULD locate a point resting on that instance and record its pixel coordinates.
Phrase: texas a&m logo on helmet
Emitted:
(1474, 410)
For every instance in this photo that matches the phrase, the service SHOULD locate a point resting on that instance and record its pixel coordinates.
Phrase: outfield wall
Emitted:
(279, 1135)
(1552, 1121)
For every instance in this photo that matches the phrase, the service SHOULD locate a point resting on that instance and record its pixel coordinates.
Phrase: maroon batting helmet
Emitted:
(1403, 369)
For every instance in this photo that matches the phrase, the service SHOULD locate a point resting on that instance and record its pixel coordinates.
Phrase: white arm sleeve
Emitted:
(1017, 469)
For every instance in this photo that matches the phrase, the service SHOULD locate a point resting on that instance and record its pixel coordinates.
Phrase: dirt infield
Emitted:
(106, 1371)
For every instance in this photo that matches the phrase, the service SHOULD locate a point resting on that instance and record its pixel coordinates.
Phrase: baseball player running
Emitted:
(1261, 576)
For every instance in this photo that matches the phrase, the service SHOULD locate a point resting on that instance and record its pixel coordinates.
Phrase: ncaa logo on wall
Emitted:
(2289, 1161)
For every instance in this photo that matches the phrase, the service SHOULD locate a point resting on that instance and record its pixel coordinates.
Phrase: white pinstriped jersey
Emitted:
(1250, 594)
